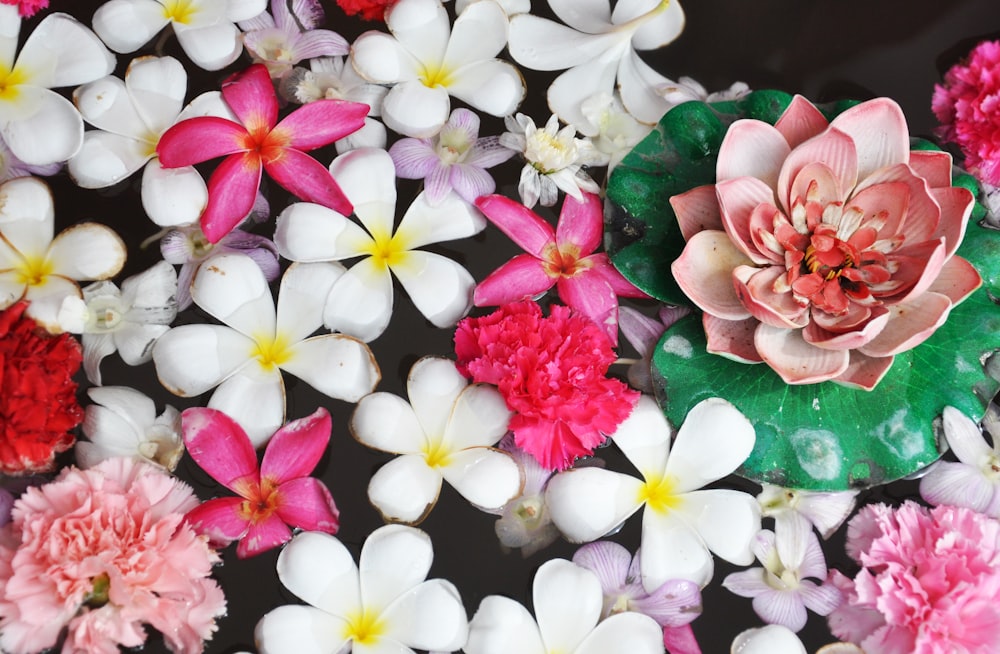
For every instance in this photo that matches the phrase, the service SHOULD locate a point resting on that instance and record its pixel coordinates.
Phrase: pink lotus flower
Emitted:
(929, 582)
(823, 249)
(259, 142)
(278, 494)
(563, 257)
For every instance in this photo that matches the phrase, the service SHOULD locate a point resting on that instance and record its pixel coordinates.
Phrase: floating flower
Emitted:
(973, 481)
(444, 433)
(246, 355)
(205, 29)
(41, 269)
(367, 9)
(615, 131)
(427, 60)
(257, 143)
(563, 257)
(126, 320)
(968, 106)
(554, 160)
(832, 246)
(598, 46)
(123, 422)
(787, 585)
(360, 302)
(568, 603)
(825, 511)
(101, 552)
(681, 525)
(456, 159)
(928, 583)
(643, 333)
(288, 34)
(552, 374)
(273, 497)
(383, 603)
(38, 407)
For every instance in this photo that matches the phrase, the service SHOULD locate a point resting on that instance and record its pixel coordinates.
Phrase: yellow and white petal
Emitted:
(106, 104)
(726, 520)
(644, 438)
(192, 359)
(253, 396)
(12, 287)
(302, 297)
(368, 178)
(405, 489)
(394, 560)
(339, 366)
(381, 59)
(27, 200)
(232, 289)
(422, 27)
(479, 418)
(211, 47)
(587, 503)
(440, 288)
(127, 25)
(311, 232)
(293, 628)
(568, 600)
(319, 570)
(157, 86)
(630, 632)
(49, 129)
(672, 549)
(433, 385)
(62, 51)
(429, 617)
(386, 422)
(453, 218)
(87, 251)
(502, 626)
(360, 302)
(479, 33)
(106, 159)
(10, 29)
(493, 86)
(713, 441)
(172, 196)
(412, 109)
(47, 299)
(488, 478)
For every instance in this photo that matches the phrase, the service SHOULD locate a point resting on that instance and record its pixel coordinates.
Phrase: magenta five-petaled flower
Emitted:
(273, 497)
(258, 143)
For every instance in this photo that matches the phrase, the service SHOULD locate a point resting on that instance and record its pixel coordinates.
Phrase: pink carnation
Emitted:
(27, 8)
(100, 552)
(552, 373)
(968, 106)
(928, 585)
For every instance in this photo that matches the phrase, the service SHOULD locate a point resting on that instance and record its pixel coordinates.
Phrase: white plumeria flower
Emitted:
(40, 126)
(555, 160)
(681, 525)
(130, 117)
(616, 132)
(44, 270)
(205, 29)
(360, 302)
(510, 7)
(334, 78)
(444, 433)
(123, 422)
(824, 510)
(246, 355)
(384, 603)
(428, 60)
(126, 320)
(568, 601)
(598, 46)
(973, 481)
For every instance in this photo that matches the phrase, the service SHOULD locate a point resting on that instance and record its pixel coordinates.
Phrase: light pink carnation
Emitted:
(102, 551)
(929, 582)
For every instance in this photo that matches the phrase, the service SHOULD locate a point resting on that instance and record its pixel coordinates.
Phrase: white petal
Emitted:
(637, 83)
(502, 626)
(134, 342)
(136, 408)
(394, 560)
(590, 16)
(433, 385)
(27, 199)
(68, 50)
(157, 86)
(212, 47)
(672, 549)
(422, 28)
(52, 131)
(87, 251)
(106, 104)
(237, 10)
(486, 477)
(493, 86)
(587, 503)
(255, 398)
(336, 365)
(629, 632)
(964, 437)
(569, 90)
(439, 287)
(46, 300)
(479, 32)
(713, 441)
(232, 289)
(659, 30)
(360, 302)
(127, 25)
(772, 639)
(542, 44)
(151, 290)
(105, 159)
(297, 629)
(302, 297)
(312, 232)
(387, 422)
(827, 511)
(644, 438)
(10, 28)
(405, 489)
(174, 196)
(379, 58)
(319, 570)
(192, 359)
(453, 218)
(480, 417)
(368, 178)
(727, 521)
(109, 429)
(568, 602)
(430, 616)
(412, 109)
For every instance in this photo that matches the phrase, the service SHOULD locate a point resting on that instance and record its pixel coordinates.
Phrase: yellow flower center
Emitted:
(435, 76)
(436, 454)
(659, 495)
(386, 250)
(10, 83)
(364, 628)
(271, 352)
(33, 271)
(179, 11)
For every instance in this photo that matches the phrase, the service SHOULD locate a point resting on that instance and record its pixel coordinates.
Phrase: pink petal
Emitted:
(731, 338)
(413, 158)
(263, 536)
(889, 201)
(833, 148)
(601, 264)
(933, 165)
(250, 94)
(232, 189)
(680, 640)
(520, 224)
(220, 447)
(957, 484)
(219, 519)
(471, 182)
(878, 129)
(917, 266)
(738, 198)
(957, 280)
(817, 182)
(846, 339)
(593, 297)
(199, 139)
(820, 599)
(295, 449)
(606, 559)
(306, 504)
(795, 360)
(322, 122)
(755, 287)
(956, 207)
(309, 180)
(864, 372)
(677, 602)
(704, 271)
(800, 122)
(581, 223)
(437, 184)
(781, 607)
(752, 148)
(522, 277)
(697, 210)
(910, 324)
(319, 43)
(923, 213)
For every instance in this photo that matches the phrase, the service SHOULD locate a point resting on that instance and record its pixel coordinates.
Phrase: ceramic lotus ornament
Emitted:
(835, 271)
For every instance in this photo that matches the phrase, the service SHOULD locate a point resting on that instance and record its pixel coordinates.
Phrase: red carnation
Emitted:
(552, 373)
(38, 406)
(369, 9)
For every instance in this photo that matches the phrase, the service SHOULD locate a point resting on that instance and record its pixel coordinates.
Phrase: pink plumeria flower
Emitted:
(454, 160)
(273, 497)
(973, 481)
(562, 257)
(288, 34)
(259, 142)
